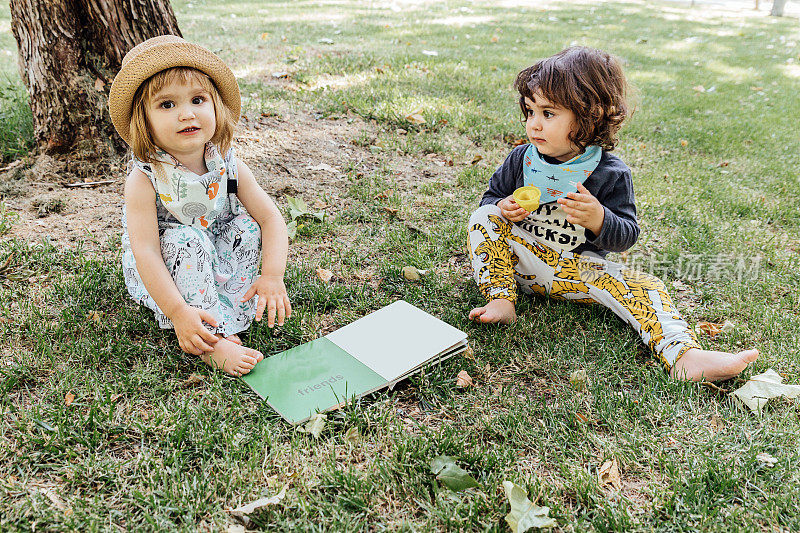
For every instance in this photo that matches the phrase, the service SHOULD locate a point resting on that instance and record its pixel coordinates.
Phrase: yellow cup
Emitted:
(528, 197)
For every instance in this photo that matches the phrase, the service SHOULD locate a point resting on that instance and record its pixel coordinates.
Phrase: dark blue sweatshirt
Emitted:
(610, 183)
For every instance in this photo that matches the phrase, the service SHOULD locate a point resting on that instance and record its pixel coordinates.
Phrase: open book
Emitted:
(373, 352)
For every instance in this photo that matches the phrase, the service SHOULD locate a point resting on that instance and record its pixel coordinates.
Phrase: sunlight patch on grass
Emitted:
(327, 81)
(463, 20)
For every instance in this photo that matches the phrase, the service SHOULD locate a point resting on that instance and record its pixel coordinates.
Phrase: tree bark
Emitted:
(777, 8)
(69, 52)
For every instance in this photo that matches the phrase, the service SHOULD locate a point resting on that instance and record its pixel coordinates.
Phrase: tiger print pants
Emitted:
(504, 256)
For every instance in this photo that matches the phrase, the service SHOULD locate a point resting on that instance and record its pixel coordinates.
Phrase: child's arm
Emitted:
(610, 217)
(275, 239)
(140, 208)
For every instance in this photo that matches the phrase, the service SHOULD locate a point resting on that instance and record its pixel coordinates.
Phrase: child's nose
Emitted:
(186, 113)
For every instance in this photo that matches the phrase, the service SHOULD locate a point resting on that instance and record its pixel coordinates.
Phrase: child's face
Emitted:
(548, 127)
(181, 118)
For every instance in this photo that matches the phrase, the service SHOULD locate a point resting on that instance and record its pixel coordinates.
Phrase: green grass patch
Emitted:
(101, 427)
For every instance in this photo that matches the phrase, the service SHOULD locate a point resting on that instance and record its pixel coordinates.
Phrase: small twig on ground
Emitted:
(88, 185)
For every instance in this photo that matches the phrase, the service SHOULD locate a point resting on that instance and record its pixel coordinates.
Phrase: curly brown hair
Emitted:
(588, 82)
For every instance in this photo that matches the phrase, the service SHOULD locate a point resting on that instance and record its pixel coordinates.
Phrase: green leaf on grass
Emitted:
(524, 514)
(454, 478)
(297, 207)
(291, 229)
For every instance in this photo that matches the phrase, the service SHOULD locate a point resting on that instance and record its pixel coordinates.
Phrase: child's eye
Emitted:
(529, 112)
(167, 104)
(548, 114)
(197, 100)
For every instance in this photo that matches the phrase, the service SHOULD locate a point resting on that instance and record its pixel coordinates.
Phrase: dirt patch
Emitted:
(291, 155)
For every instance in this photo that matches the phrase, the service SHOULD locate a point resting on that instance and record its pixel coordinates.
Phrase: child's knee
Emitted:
(482, 213)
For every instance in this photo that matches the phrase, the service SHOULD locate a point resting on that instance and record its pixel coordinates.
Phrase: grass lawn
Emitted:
(102, 429)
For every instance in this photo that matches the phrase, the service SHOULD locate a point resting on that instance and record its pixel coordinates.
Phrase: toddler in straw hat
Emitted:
(195, 220)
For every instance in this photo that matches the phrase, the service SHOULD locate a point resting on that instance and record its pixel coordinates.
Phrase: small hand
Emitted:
(272, 296)
(583, 209)
(511, 210)
(193, 337)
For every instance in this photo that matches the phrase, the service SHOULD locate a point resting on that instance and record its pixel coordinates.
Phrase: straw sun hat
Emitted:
(160, 53)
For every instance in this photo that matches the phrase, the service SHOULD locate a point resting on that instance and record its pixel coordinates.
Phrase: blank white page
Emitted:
(396, 339)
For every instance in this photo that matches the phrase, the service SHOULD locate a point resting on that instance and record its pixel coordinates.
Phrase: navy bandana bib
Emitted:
(556, 181)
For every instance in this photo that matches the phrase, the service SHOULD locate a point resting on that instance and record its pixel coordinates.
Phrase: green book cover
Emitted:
(373, 352)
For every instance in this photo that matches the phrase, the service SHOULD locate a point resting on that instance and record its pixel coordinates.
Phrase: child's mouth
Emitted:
(191, 129)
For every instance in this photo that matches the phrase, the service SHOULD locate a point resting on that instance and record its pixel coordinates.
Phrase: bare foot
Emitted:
(231, 358)
(699, 365)
(234, 339)
(496, 311)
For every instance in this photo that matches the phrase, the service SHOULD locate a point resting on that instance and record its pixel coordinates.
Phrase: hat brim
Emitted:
(161, 56)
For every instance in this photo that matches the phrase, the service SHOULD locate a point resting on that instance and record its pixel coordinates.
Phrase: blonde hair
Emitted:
(142, 143)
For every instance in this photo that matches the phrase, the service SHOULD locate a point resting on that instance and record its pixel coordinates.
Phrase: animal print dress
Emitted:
(211, 246)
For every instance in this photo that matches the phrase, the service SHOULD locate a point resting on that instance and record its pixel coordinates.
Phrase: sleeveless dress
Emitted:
(211, 246)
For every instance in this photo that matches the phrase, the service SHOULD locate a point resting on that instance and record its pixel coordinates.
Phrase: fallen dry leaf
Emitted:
(264, 36)
(94, 316)
(319, 203)
(413, 273)
(315, 424)
(712, 329)
(69, 398)
(469, 353)
(99, 85)
(415, 116)
(579, 380)
(464, 380)
(193, 379)
(259, 503)
(324, 275)
(766, 459)
(684, 142)
(608, 474)
(761, 388)
(476, 159)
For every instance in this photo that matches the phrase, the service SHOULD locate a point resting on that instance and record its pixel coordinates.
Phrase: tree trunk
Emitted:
(69, 52)
(777, 8)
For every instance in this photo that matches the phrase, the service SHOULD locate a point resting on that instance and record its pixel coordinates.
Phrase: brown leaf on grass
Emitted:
(390, 210)
(582, 417)
(264, 36)
(324, 275)
(608, 474)
(684, 142)
(476, 159)
(94, 316)
(463, 380)
(723, 164)
(469, 353)
(69, 398)
(319, 203)
(193, 379)
(712, 329)
(415, 116)
(99, 85)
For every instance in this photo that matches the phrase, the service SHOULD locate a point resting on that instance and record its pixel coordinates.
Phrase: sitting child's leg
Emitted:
(189, 256)
(642, 300)
(493, 267)
(238, 246)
